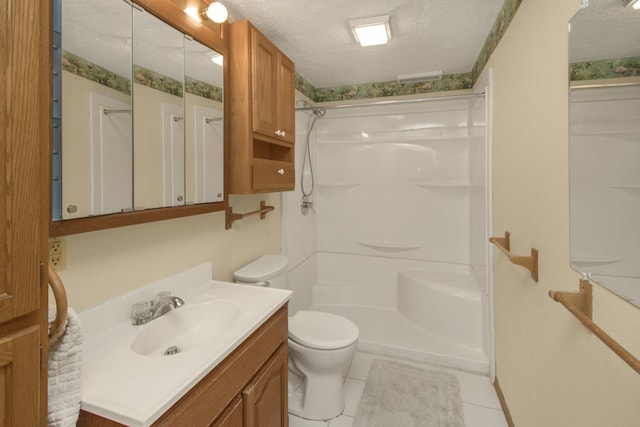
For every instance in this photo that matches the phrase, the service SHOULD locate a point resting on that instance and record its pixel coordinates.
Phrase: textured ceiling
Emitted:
(604, 30)
(427, 35)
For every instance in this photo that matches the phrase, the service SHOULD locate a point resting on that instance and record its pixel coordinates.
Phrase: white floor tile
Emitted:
(476, 389)
(341, 421)
(479, 416)
(480, 403)
(301, 422)
(360, 365)
(352, 393)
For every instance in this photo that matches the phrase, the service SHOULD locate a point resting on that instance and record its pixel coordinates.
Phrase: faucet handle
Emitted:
(141, 312)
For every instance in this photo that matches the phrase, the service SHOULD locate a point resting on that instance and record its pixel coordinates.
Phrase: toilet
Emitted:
(321, 346)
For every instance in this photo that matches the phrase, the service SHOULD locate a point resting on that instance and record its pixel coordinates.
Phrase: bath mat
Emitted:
(399, 395)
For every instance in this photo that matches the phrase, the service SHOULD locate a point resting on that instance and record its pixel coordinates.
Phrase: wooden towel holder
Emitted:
(230, 217)
(56, 330)
(528, 262)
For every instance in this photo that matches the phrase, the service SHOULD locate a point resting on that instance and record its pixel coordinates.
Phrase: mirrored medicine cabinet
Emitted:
(604, 146)
(138, 110)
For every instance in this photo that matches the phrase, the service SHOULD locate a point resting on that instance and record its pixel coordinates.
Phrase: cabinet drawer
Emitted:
(270, 175)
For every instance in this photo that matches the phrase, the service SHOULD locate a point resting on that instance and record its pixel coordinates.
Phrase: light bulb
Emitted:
(217, 12)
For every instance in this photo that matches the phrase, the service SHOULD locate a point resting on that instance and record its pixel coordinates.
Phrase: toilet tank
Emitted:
(268, 270)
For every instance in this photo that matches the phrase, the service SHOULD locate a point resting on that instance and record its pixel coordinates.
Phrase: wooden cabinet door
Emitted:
(25, 136)
(232, 416)
(24, 88)
(286, 114)
(264, 91)
(19, 377)
(265, 399)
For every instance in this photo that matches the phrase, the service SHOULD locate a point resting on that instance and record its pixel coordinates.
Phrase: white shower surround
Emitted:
(605, 187)
(398, 250)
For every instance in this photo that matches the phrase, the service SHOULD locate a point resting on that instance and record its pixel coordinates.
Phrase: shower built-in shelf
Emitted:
(339, 184)
(629, 187)
(388, 246)
(593, 261)
(453, 185)
(618, 134)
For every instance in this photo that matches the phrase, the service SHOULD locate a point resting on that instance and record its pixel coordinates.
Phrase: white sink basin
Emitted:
(127, 378)
(185, 328)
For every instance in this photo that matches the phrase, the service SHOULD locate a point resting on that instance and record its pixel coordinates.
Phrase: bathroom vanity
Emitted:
(232, 370)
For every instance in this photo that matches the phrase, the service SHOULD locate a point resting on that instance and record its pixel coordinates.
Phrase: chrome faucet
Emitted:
(145, 311)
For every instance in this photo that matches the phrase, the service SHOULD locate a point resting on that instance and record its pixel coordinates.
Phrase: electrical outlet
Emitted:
(58, 253)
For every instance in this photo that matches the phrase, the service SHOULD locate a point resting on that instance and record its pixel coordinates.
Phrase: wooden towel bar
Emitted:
(231, 217)
(580, 305)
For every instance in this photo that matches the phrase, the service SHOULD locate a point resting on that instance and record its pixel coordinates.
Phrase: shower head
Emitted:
(319, 112)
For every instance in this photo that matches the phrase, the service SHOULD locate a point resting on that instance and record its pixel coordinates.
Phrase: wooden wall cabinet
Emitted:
(247, 389)
(25, 132)
(262, 119)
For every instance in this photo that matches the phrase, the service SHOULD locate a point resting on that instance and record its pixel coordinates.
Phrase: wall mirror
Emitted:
(604, 145)
(138, 114)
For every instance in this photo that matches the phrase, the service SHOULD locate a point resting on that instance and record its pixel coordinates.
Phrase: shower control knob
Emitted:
(281, 171)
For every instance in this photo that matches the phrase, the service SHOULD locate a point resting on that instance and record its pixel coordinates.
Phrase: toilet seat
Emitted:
(322, 331)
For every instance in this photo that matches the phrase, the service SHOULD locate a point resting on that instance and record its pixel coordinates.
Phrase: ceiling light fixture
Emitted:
(633, 3)
(371, 31)
(216, 12)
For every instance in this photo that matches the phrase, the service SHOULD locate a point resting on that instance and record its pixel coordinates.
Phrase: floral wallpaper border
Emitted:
(83, 68)
(605, 69)
(392, 88)
(202, 89)
(88, 70)
(509, 9)
(157, 81)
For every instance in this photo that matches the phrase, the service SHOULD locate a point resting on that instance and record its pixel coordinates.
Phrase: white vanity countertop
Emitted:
(133, 389)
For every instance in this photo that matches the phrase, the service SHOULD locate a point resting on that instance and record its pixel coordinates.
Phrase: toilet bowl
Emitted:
(321, 346)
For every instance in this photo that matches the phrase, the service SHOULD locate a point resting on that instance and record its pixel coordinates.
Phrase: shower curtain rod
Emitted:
(602, 85)
(389, 102)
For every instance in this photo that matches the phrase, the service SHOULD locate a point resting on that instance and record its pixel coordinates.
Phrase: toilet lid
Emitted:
(263, 268)
(322, 331)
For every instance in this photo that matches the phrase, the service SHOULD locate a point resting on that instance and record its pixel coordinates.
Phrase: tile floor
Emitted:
(479, 401)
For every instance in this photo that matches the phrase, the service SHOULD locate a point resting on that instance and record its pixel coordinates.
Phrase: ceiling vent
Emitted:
(413, 78)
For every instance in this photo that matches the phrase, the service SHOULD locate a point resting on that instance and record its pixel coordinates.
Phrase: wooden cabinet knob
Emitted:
(281, 171)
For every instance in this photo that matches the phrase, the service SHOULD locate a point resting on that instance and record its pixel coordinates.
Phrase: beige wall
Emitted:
(105, 264)
(551, 369)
